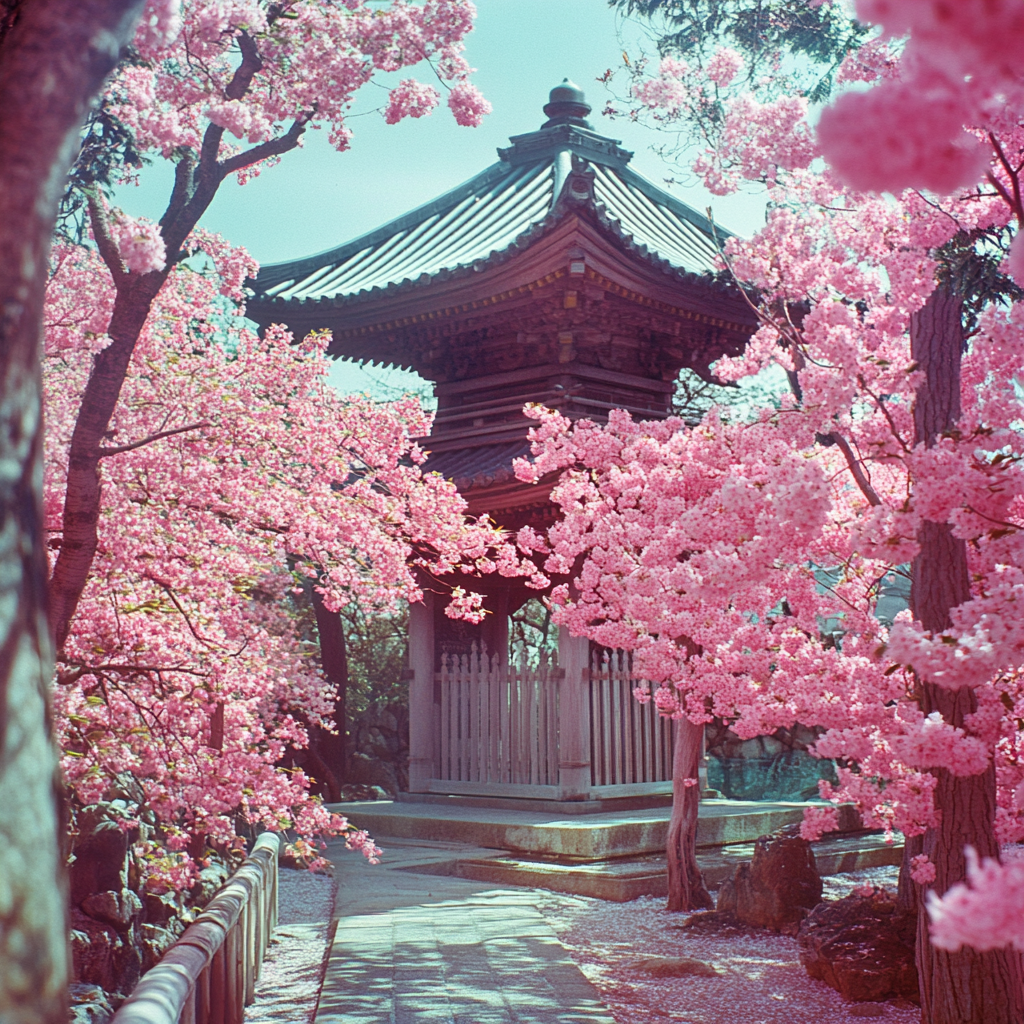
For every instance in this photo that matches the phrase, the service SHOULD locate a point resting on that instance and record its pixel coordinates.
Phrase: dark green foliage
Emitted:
(107, 149)
(783, 41)
(969, 264)
(376, 647)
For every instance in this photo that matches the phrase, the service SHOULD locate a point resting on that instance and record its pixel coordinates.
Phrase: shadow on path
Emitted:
(414, 948)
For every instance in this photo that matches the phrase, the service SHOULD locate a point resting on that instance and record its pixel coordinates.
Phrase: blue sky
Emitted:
(317, 198)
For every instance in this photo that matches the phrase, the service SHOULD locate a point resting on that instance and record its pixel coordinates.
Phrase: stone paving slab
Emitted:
(431, 949)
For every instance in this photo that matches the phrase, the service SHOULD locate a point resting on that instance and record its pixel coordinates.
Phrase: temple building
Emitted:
(558, 275)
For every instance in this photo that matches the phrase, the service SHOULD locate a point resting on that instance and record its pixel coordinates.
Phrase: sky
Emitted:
(317, 198)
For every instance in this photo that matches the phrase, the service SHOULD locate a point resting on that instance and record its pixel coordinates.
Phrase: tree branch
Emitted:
(273, 147)
(856, 469)
(104, 451)
(105, 243)
(180, 194)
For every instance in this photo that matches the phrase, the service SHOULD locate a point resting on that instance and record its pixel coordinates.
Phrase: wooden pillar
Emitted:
(574, 717)
(495, 628)
(422, 766)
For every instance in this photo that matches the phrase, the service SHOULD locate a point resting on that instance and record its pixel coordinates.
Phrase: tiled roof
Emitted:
(499, 210)
(477, 467)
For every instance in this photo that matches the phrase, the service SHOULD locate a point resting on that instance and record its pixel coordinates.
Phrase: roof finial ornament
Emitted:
(566, 105)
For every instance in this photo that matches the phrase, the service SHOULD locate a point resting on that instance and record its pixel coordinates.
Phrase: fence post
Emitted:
(421, 695)
(574, 717)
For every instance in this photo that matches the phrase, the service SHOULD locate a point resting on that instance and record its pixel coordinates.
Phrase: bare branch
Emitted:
(104, 451)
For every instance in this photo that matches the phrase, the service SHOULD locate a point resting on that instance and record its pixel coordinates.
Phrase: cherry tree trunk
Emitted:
(54, 55)
(685, 883)
(331, 747)
(965, 987)
(82, 501)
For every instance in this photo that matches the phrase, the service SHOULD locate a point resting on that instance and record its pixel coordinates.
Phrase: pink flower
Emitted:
(922, 870)
(468, 105)
(723, 66)
(139, 242)
(897, 136)
(818, 820)
(410, 99)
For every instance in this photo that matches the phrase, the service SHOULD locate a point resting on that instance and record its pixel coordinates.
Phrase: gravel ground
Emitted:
(293, 971)
(762, 980)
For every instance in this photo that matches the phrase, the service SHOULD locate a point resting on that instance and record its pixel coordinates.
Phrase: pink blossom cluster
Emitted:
(987, 912)
(410, 99)
(468, 105)
(960, 68)
(139, 242)
(253, 68)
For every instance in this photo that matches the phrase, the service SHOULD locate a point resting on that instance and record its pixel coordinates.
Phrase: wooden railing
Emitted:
(209, 975)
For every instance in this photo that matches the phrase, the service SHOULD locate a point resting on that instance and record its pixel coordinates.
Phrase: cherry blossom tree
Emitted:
(262, 73)
(231, 472)
(868, 304)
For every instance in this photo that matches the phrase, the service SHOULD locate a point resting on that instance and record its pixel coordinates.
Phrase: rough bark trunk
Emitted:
(54, 55)
(685, 883)
(331, 748)
(84, 490)
(965, 987)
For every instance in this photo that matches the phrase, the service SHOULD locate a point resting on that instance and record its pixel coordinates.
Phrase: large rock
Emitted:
(100, 850)
(777, 889)
(862, 946)
(105, 956)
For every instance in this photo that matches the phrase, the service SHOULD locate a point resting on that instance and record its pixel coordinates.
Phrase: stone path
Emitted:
(415, 948)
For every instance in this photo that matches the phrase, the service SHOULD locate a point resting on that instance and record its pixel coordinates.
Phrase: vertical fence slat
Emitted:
(444, 769)
(460, 712)
(551, 686)
(504, 705)
(494, 720)
(624, 735)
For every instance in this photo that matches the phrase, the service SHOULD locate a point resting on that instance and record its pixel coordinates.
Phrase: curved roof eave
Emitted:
(603, 219)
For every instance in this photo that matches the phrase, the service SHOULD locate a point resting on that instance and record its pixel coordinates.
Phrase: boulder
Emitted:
(862, 946)
(103, 955)
(156, 940)
(100, 851)
(777, 889)
(117, 909)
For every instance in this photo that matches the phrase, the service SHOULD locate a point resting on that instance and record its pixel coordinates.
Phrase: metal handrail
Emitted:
(209, 975)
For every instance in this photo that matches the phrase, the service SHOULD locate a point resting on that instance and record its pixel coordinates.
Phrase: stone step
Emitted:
(579, 838)
(626, 878)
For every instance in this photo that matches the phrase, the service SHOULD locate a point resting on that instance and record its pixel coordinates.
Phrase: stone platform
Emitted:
(614, 855)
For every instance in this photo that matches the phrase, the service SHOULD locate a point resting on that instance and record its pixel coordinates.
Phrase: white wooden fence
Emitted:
(630, 744)
(499, 724)
(209, 975)
(499, 728)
